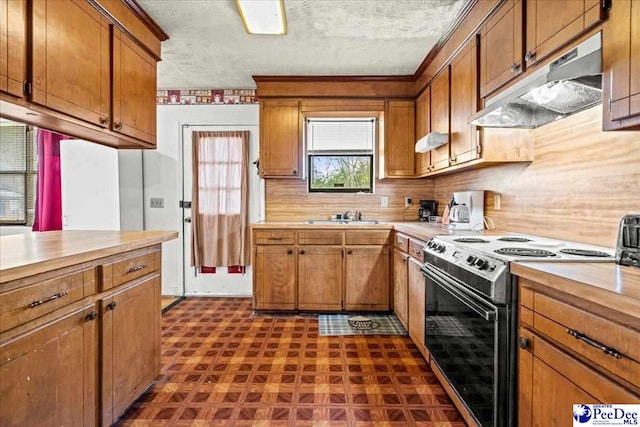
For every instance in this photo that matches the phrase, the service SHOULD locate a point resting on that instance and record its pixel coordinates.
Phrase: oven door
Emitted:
(461, 334)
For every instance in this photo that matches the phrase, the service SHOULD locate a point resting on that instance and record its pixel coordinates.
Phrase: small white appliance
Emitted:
(467, 211)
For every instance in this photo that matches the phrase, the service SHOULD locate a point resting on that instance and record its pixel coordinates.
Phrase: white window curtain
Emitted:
(220, 201)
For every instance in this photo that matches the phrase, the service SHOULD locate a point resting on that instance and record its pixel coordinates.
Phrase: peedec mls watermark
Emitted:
(606, 415)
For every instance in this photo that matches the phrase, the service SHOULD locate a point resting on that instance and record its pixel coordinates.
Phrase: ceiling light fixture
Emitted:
(263, 16)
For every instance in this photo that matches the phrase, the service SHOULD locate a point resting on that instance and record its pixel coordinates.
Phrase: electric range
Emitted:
(470, 318)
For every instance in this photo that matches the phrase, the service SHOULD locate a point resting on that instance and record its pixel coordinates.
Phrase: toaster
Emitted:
(628, 247)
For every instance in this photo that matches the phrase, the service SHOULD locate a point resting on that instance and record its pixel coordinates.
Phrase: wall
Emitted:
(131, 190)
(580, 184)
(287, 199)
(163, 179)
(90, 188)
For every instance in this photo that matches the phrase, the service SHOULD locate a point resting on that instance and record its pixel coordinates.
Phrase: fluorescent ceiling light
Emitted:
(263, 16)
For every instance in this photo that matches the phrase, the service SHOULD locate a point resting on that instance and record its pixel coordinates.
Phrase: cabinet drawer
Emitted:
(121, 271)
(401, 242)
(320, 237)
(368, 237)
(562, 322)
(26, 303)
(273, 237)
(415, 249)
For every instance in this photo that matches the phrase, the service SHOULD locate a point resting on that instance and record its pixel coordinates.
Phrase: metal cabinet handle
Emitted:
(301, 252)
(294, 172)
(606, 350)
(349, 252)
(111, 305)
(104, 121)
(51, 298)
(515, 67)
(289, 251)
(137, 268)
(529, 56)
(523, 343)
(91, 316)
(117, 126)
(416, 251)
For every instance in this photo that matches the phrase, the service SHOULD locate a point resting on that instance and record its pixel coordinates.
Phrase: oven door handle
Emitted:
(458, 292)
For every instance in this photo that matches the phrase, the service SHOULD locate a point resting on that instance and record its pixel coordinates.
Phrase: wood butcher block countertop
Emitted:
(23, 255)
(609, 285)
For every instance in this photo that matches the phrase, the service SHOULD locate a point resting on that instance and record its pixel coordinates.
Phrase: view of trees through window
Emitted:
(334, 172)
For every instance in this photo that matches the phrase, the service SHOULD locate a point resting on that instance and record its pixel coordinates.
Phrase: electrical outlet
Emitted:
(408, 202)
(496, 202)
(384, 202)
(157, 202)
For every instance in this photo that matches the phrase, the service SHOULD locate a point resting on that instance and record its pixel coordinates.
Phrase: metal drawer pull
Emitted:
(417, 251)
(111, 305)
(136, 268)
(593, 343)
(274, 238)
(51, 298)
(91, 316)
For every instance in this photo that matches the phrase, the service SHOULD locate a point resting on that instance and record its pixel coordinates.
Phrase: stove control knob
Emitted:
(430, 244)
(493, 267)
(471, 259)
(441, 248)
(481, 263)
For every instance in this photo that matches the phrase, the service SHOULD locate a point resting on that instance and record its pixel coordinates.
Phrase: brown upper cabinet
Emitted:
(280, 139)
(134, 89)
(423, 127)
(92, 69)
(13, 46)
(621, 67)
(501, 47)
(551, 24)
(71, 60)
(399, 139)
(440, 116)
(463, 138)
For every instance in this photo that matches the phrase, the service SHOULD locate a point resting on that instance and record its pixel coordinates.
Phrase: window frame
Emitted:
(30, 175)
(343, 116)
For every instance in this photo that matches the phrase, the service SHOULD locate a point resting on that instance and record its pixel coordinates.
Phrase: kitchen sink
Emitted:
(343, 222)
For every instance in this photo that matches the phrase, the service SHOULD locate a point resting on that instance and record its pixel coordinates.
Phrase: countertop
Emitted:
(23, 255)
(613, 286)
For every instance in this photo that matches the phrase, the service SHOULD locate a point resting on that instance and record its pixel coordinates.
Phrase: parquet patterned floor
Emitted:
(222, 365)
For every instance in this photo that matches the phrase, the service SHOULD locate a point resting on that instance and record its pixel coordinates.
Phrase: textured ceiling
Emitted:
(209, 48)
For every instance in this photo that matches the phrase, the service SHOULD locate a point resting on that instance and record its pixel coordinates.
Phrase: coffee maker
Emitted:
(466, 211)
(427, 208)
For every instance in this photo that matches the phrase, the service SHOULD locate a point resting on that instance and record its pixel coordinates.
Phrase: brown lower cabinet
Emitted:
(320, 280)
(80, 360)
(130, 342)
(274, 280)
(416, 310)
(400, 283)
(559, 364)
(366, 278)
(48, 375)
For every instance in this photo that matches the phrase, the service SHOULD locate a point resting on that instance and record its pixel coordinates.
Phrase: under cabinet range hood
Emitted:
(431, 141)
(571, 83)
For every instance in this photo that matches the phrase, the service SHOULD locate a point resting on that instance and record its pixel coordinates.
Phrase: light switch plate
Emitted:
(157, 202)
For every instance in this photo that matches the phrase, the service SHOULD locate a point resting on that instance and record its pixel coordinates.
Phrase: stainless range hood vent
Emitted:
(565, 86)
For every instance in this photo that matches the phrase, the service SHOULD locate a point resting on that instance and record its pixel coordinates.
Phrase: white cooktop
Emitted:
(555, 250)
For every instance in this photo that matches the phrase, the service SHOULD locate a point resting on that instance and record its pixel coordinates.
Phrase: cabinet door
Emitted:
(400, 286)
(416, 309)
(130, 345)
(279, 139)
(274, 278)
(134, 89)
(13, 46)
(501, 48)
(48, 375)
(367, 278)
(71, 59)
(399, 139)
(423, 127)
(320, 278)
(551, 24)
(440, 117)
(463, 145)
(621, 67)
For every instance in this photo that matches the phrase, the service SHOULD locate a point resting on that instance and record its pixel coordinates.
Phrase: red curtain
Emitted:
(48, 207)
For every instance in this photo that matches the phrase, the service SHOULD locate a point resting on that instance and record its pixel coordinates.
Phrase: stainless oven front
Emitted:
(469, 338)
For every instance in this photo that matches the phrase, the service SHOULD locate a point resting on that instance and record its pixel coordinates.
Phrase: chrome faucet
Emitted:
(352, 215)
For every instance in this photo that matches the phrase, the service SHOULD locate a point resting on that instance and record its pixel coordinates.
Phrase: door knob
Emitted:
(187, 219)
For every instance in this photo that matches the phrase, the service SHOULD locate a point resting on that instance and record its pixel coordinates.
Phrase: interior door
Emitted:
(219, 283)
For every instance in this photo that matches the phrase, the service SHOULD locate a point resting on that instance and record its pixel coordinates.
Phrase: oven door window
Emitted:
(460, 334)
